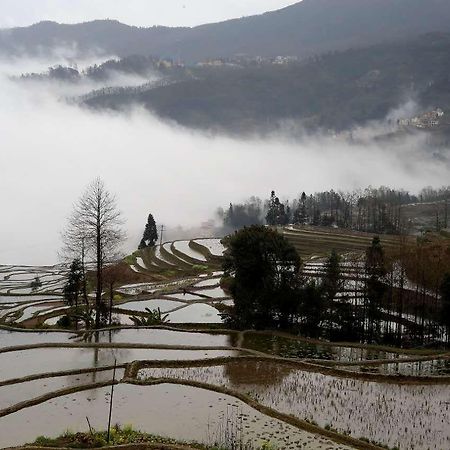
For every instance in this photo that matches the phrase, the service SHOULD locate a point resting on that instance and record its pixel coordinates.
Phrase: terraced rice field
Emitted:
(169, 412)
(316, 242)
(187, 381)
(18, 279)
(183, 247)
(396, 415)
(78, 370)
(214, 246)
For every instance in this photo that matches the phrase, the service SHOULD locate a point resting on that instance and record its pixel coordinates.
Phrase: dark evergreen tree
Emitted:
(150, 236)
(74, 284)
(272, 210)
(300, 214)
(277, 213)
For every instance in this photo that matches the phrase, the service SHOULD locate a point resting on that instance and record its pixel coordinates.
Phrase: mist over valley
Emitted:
(180, 173)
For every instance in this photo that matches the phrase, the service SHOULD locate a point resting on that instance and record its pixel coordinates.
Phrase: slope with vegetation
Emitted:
(303, 29)
(337, 91)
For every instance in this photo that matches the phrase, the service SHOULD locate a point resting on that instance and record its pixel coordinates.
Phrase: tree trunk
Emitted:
(98, 294)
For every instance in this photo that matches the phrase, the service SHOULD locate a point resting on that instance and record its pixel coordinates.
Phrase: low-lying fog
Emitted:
(51, 150)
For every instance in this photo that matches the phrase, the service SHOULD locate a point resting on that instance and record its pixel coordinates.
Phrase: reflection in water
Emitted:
(161, 336)
(29, 362)
(435, 367)
(163, 305)
(293, 348)
(406, 416)
(196, 313)
(410, 415)
(179, 412)
(16, 338)
(260, 373)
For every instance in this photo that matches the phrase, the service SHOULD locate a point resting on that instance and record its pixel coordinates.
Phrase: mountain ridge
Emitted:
(302, 29)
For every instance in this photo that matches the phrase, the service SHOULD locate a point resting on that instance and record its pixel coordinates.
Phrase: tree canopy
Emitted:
(74, 284)
(150, 236)
(265, 272)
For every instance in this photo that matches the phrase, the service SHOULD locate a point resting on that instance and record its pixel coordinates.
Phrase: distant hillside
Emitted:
(306, 28)
(142, 66)
(335, 91)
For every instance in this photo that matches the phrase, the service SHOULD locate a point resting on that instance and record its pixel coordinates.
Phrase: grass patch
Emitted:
(122, 436)
(97, 439)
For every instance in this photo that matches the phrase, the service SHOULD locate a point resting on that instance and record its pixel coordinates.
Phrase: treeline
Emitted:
(394, 294)
(375, 210)
(397, 296)
(131, 65)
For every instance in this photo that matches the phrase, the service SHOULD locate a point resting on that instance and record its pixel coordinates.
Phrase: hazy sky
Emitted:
(133, 12)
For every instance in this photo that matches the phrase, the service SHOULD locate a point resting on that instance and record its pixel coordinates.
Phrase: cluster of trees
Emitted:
(130, 65)
(264, 275)
(92, 238)
(399, 296)
(240, 215)
(375, 210)
(133, 65)
(277, 212)
(430, 194)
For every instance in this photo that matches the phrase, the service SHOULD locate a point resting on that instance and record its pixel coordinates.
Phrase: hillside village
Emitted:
(427, 120)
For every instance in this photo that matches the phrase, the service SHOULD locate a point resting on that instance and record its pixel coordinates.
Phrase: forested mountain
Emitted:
(303, 29)
(142, 66)
(334, 91)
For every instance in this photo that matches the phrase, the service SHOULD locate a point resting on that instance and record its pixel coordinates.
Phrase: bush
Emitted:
(64, 322)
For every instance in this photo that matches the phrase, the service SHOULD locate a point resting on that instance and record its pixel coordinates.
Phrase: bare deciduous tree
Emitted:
(94, 231)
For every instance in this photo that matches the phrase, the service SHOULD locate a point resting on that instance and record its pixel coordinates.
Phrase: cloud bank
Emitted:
(51, 150)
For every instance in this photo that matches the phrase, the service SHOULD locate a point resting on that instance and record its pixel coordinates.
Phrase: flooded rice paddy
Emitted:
(34, 361)
(208, 283)
(404, 416)
(183, 246)
(160, 336)
(17, 393)
(16, 338)
(198, 313)
(213, 245)
(294, 348)
(433, 368)
(407, 416)
(140, 306)
(19, 279)
(182, 412)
